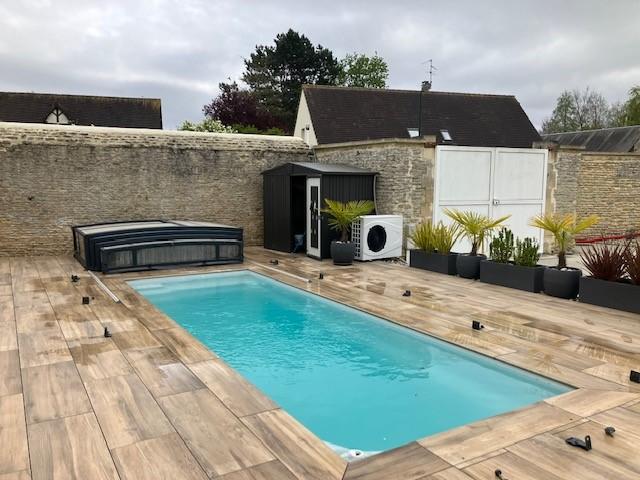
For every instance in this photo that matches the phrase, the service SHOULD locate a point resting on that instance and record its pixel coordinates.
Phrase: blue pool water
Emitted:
(355, 380)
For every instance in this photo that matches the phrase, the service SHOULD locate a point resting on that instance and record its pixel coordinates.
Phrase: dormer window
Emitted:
(57, 117)
(413, 132)
(446, 136)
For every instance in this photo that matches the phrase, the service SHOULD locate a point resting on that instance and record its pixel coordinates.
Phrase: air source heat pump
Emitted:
(377, 236)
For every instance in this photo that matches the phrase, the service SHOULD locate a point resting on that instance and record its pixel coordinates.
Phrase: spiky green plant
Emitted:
(501, 247)
(564, 228)
(527, 252)
(342, 215)
(445, 237)
(474, 226)
(422, 237)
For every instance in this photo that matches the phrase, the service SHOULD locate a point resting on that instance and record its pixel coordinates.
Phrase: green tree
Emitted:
(276, 73)
(632, 107)
(206, 125)
(580, 110)
(359, 70)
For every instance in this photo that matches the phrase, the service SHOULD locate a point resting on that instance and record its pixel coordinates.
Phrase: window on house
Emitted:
(446, 136)
(413, 132)
(58, 117)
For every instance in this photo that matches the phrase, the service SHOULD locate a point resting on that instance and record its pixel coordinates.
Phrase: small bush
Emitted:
(526, 253)
(444, 237)
(501, 247)
(632, 262)
(605, 261)
(422, 237)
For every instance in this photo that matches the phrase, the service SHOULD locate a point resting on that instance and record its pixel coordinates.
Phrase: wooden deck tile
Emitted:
(98, 358)
(53, 391)
(200, 418)
(239, 395)
(585, 403)
(23, 475)
(464, 443)
(298, 449)
(70, 448)
(126, 411)
(10, 382)
(620, 418)
(14, 454)
(183, 345)
(8, 336)
(37, 318)
(450, 474)
(163, 458)
(273, 470)
(567, 462)
(162, 372)
(6, 309)
(409, 462)
(512, 467)
(78, 322)
(616, 373)
(42, 348)
(135, 340)
(116, 317)
(622, 449)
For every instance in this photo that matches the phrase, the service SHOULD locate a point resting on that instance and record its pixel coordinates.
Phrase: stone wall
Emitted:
(406, 168)
(52, 177)
(603, 184)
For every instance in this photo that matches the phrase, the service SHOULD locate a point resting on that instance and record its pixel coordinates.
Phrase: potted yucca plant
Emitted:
(523, 272)
(341, 217)
(475, 227)
(614, 279)
(433, 245)
(562, 281)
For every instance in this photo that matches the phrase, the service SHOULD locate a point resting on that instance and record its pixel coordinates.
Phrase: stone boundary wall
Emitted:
(596, 183)
(406, 168)
(53, 177)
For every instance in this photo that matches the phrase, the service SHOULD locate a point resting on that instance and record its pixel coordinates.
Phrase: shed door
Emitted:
(313, 217)
(492, 181)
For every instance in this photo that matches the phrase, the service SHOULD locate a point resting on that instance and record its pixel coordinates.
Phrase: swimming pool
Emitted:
(355, 380)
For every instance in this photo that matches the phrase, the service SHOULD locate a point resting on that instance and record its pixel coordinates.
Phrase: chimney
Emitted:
(426, 86)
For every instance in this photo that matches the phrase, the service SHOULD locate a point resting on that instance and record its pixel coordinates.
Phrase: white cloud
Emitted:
(180, 50)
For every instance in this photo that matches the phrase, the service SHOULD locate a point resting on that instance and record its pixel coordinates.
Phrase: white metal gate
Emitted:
(492, 181)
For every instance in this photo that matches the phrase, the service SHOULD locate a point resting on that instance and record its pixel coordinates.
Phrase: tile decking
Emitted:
(152, 402)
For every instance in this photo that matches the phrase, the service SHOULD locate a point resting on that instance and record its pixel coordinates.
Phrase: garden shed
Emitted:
(294, 196)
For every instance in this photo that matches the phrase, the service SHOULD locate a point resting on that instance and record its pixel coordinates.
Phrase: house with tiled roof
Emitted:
(84, 110)
(328, 115)
(617, 139)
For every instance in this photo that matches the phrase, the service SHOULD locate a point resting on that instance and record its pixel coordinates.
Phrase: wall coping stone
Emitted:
(426, 141)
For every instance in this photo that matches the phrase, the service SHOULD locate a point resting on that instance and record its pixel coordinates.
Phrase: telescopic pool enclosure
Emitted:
(148, 244)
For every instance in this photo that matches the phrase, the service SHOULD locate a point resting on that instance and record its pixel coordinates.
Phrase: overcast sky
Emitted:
(180, 50)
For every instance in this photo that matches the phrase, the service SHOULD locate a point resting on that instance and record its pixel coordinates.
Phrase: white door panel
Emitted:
(492, 181)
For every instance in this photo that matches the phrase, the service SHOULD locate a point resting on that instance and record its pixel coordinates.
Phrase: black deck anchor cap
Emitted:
(274, 262)
(609, 431)
(498, 474)
(407, 293)
(577, 442)
(85, 300)
(74, 278)
(476, 325)
(321, 275)
(634, 376)
(107, 333)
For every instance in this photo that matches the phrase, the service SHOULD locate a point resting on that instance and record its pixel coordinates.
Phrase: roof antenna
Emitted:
(426, 86)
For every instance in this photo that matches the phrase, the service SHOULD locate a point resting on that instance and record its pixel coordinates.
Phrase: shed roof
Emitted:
(342, 114)
(618, 139)
(82, 109)
(303, 168)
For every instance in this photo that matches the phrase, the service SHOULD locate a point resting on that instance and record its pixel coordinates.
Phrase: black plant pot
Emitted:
(619, 295)
(343, 253)
(468, 266)
(562, 283)
(434, 262)
(513, 276)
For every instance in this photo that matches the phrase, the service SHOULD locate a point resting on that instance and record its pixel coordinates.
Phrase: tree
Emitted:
(276, 73)
(632, 107)
(359, 70)
(207, 125)
(580, 110)
(240, 108)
